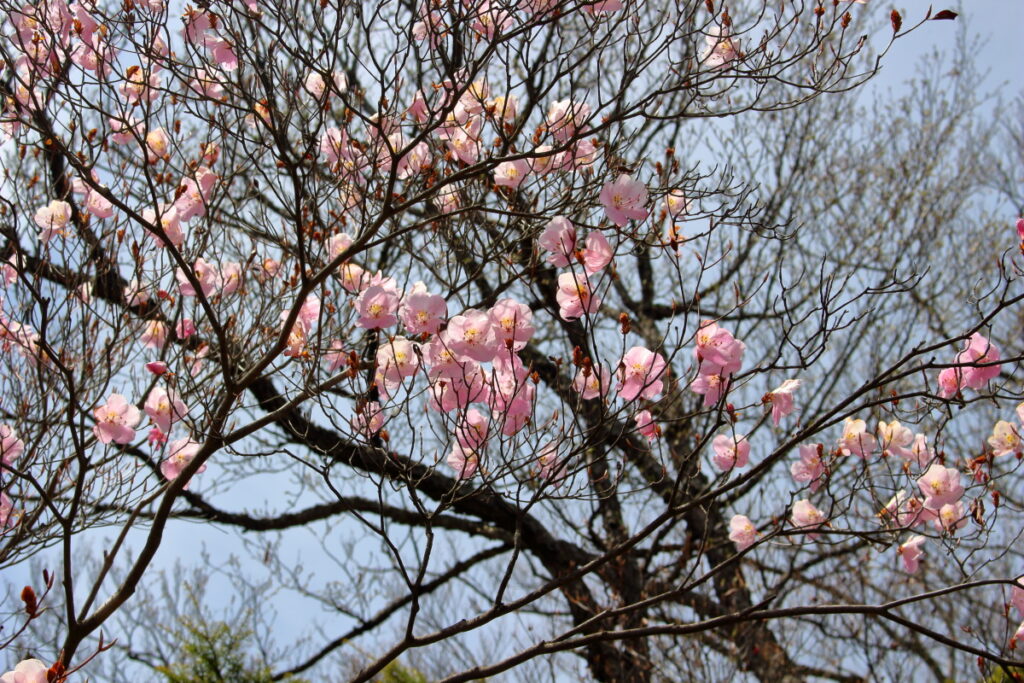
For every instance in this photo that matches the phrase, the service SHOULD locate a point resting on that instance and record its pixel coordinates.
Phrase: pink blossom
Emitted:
(156, 438)
(511, 173)
(809, 469)
(730, 452)
(950, 517)
(422, 312)
(512, 323)
(471, 433)
(598, 253)
(52, 219)
(646, 425)
(396, 359)
(465, 461)
(1020, 229)
(603, 6)
(676, 203)
(471, 335)
(1017, 597)
(185, 328)
(904, 512)
(1018, 636)
(940, 485)
(920, 451)
(567, 118)
(712, 387)
(164, 408)
(894, 439)
(116, 420)
(158, 145)
(155, 335)
(782, 399)
(195, 193)
(180, 453)
(575, 296)
(207, 274)
(549, 465)
(168, 224)
(640, 374)
(805, 515)
(910, 552)
(377, 306)
(157, 367)
(230, 277)
(720, 50)
(6, 519)
(98, 205)
(624, 200)
(717, 351)
(222, 52)
(856, 439)
(11, 447)
(1005, 439)
(559, 240)
(336, 357)
(369, 419)
(979, 350)
(593, 384)
(27, 671)
(742, 532)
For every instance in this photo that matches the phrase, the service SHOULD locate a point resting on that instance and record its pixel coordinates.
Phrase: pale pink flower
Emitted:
(154, 336)
(164, 408)
(471, 335)
(504, 107)
(559, 240)
(11, 447)
(207, 274)
(158, 145)
(730, 452)
(593, 384)
(567, 118)
(575, 297)
(369, 419)
(180, 453)
(1005, 439)
(169, 223)
(465, 461)
(52, 219)
(640, 373)
(1017, 597)
(717, 351)
(116, 420)
(512, 322)
(1018, 636)
(894, 439)
(646, 425)
(185, 328)
(7, 518)
(511, 173)
(336, 357)
(940, 485)
(471, 433)
(711, 386)
(422, 312)
(26, 671)
(950, 517)
(920, 451)
(603, 6)
(979, 350)
(782, 399)
(676, 203)
(720, 50)
(742, 532)
(805, 515)
(809, 469)
(549, 465)
(624, 200)
(195, 193)
(377, 306)
(856, 440)
(230, 277)
(396, 359)
(910, 552)
(98, 205)
(598, 253)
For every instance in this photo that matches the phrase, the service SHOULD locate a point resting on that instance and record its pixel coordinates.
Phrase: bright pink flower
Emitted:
(592, 385)
(598, 253)
(180, 453)
(809, 469)
(11, 447)
(805, 515)
(156, 438)
(720, 50)
(940, 485)
(27, 671)
(640, 373)
(1005, 439)
(624, 200)
(730, 452)
(910, 552)
(1020, 229)
(979, 350)
(782, 399)
(512, 323)
(856, 439)
(185, 328)
(465, 461)
(164, 408)
(712, 387)
(575, 297)
(116, 420)
(567, 118)
(207, 274)
(155, 335)
(742, 532)
(646, 425)
(511, 173)
(559, 240)
(717, 351)
(52, 219)
(157, 367)
(377, 306)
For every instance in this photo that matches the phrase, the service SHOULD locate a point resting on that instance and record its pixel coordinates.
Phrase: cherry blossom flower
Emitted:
(207, 274)
(27, 671)
(180, 454)
(195, 193)
(465, 461)
(157, 367)
(549, 465)
(7, 518)
(603, 6)
(511, 173)
(168, 223)
(598, 253)
(966, 374)
(471, 335)
(52, 219)
(640, 374)
(1017, 597)
(471, 433)
(717, 351)
(809, 469)
(154, 336)
(566, 119)
(730, 452)
(742, 532)
(940, 485)
(894, 439)
(164, 408)
(11, 447)
(805, 515)
(646, 425)
(512, 322)
(856, 439)
(950, 517)
(369, 419)
(624, 200)
(98, 205)
(116, 420)
(422, 312)
(711, 386)
(559, 240)
(397, 359)
(377, 306)
(1005, 439)
(575, 296)
(720, 49)
(593, 384)
(676, 203)
(1020, 229)
(782, 399)
(920, 451)
(910, 552)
